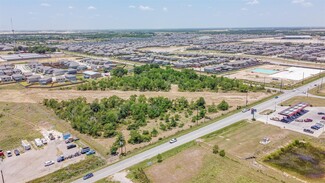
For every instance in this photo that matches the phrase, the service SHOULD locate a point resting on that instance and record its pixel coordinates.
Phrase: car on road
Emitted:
(245, 110)
(71, 146)
(9, 154)
(48, 163)
(60, 158)
(308, 120)
(90, 152)
(85, 150)
(308, 131)
(16, 151)
(321, 113)
(88, 176)
(173, 140)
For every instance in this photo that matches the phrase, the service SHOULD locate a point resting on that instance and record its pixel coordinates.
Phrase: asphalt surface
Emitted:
(126, 163)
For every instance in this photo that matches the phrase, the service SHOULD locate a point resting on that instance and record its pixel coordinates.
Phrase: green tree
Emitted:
(119, 72)
(223, 105)
(159, 158)
(222, 153)
(215, 149)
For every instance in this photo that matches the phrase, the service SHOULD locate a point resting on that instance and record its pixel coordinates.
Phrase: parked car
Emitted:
(276, 97)
(91, 152)
(308, 120)
(323, 117)
(315, 127)
(16, 151)
(308, 131)
(245, 110)
(88, 176)
(321, 125)
(9, 154)
(85, 150)
(321, 113)
(48, 163)
(173, 140)
(1, 153)
(71, 146)
(60, 158)
(44, 141)
(299, 120)
(51, 136)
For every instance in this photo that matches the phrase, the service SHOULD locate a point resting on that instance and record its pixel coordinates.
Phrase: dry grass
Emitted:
(316, 102)
(317, 91)
(239, 141)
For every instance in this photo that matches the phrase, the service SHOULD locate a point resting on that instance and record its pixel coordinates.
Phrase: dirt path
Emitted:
(37, 95)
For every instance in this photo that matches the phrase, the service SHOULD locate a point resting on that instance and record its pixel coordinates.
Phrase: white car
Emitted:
(173, 140)
(49, 163)
(9, 153)
(245, 110)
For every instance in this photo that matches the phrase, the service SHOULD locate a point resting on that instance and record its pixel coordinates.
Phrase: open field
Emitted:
(19, 121)
(33, 97)
(43, 60)
(165, 49)
(248, 74)
(317, 91)
(316, 102)
(196, 163)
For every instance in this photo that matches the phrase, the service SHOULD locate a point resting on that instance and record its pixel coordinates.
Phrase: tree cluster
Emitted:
(153, 78)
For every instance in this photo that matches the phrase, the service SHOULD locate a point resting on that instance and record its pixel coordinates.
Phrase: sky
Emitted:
(159, 14)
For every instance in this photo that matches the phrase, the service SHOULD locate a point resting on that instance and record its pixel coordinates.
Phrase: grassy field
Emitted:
(77, 169)
(195, 162)
(300, 157)
(18, 122)
(317, 91)
(316, 102)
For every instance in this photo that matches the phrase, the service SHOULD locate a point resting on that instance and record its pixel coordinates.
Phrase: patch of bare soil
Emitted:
(178, 168)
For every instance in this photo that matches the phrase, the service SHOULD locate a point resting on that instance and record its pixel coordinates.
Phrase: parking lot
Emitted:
(298, 124)
(31, 164)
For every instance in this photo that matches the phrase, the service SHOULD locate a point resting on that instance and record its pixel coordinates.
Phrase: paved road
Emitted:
(126, 163)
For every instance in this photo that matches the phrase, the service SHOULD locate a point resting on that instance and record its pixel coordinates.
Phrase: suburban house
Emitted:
(91, 75)
(33, 79)
(45, 80)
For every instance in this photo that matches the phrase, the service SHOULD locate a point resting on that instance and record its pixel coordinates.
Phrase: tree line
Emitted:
(151, 77)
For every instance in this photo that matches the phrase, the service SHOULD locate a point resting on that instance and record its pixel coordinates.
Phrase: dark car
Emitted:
(16, 151)
(60, 158)
(85, 150)
(321, 113)
(71, 146)
(315, 127)
(308, 131)
(89, 175)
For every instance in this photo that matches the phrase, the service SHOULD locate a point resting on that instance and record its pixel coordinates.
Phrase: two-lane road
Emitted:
(126, 163)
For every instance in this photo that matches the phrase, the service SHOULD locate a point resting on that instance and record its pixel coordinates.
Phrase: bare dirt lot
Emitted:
(30, 165)
(247, 74)
(239, 141)
(166, 49)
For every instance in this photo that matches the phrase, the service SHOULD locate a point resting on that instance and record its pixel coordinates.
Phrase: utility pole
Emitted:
(3, 179)
(303, 77)
(197, 115)
(246, 98)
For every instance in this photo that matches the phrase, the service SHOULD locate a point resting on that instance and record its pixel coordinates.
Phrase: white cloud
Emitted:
(305, 3)
(252, 2)
(70, 7)
(45, 4)
(165, 9)
(145, 8)
(132, 6)
(91, 8)
(244, 9)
